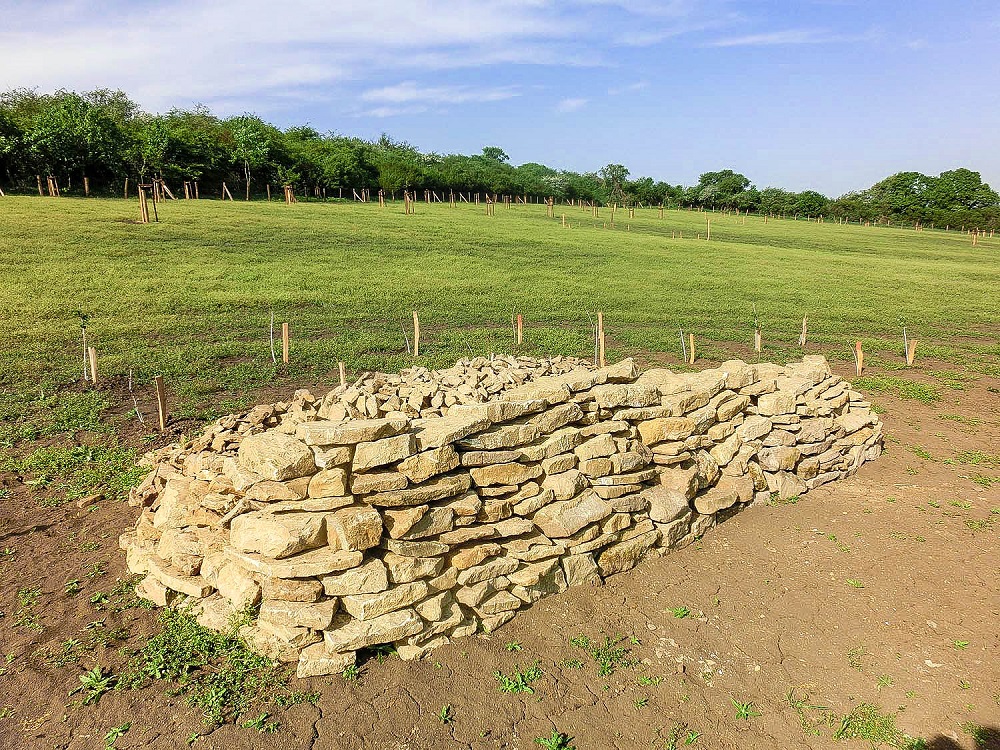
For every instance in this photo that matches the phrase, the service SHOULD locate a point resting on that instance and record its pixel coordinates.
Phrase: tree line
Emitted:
(105, 136)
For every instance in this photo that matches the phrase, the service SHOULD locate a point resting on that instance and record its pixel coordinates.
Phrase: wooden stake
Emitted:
(284, 343)
(92, 355)
(708, 236)
(756, 341)
(39, 178)
(859, 358)
(86, 187)
(416, 334)
(161, 401)
(268, 192)
(911, 351)
(691, 348)
(802, 336)
(520, 329)
(600, 339)
(343, 374)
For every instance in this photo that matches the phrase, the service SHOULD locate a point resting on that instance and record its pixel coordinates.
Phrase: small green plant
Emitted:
(960, 645)
(745, 710)
(921, 453)
(680, 612)
(519, 681)
(884, 681)
(350, 674)
(112, 735)
(262, 725)
(965, 684)
(854, 583)
(641, 702)
(868, 722)
(572, 664)
(556, 741)
(647, 681)
(446, 715)
(72, 588)
(513, 646)
(94, 684)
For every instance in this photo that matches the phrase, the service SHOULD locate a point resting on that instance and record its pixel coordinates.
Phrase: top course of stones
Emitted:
(415, 508)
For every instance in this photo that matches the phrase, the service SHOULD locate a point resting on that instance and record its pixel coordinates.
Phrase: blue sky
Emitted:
(830, 95)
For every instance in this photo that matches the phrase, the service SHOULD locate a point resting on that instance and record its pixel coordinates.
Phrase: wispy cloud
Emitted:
(411, 91)
(571, 105)
(630, 88)
(787, 36)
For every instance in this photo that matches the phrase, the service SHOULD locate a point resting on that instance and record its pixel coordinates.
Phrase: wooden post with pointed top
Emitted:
(708, 235)
(911, 351)
(805, 330)
(691, 349)
(859, 358)
(520, 329)
(284, 343)
(161, 401)
(416, 334)
(343, 374)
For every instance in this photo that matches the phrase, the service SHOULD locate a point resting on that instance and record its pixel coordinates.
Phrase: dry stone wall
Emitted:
(417, 526)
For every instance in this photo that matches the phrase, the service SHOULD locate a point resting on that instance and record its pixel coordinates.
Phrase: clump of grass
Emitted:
(745, 709)
(216, 672)
(960, 419)
(74, 472)
(899, 387)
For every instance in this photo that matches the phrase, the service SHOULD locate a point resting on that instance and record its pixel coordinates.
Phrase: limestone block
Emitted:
(276, 456)
(370, 578)
(277, 535)
(388, 450)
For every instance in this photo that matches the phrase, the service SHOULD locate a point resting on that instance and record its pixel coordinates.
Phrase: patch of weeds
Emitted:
(115, 733)
(94, 684)
(572, 664)
(969, 421)
(216, 672)
(776, 499)
(350, 674)
(556, 741)
(854, 583)
(960, 645)
(921, 453)
(802, 707)
(680, 612)
(884, 681)
(854, 657)
(964, 684)
(72, 588)
(978, 458)
(745, 710)
(963, 504)
(519, 681)
(868, 722)
(680, 735)
(980, 735)
(446, 715)
(954, 380)
(647, 681)
(79, 471)
(985, 481)
(513, 647)
(641, 702)
(379, 652)
(27, 598)
(609, 656)
(976, 525)
(899, 387)
(262, 725)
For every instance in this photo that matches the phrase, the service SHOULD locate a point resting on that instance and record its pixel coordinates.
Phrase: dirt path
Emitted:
(881, 590)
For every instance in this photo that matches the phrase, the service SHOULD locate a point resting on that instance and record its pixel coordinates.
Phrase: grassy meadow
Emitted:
(191, 296)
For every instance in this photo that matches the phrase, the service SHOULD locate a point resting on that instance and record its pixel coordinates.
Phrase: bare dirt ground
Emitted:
(883, 589)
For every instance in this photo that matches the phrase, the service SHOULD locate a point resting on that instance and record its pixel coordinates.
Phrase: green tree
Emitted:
(613, 177)
(251, 143)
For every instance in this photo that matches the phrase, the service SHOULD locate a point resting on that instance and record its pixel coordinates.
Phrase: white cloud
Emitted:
(571, 105)
(788, 36)
(410, 91)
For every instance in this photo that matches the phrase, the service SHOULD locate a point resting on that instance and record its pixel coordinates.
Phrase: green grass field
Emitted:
(190, 297)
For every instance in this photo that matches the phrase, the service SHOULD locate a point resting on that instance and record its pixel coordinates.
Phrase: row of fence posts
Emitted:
(687, 342)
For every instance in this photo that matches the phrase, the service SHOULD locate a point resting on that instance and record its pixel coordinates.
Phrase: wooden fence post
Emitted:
(859, 358)
(92, 354)
(343, 374)
(284, 343)
(600, 339)
(691, 348)
(802, 336)
(161, 401)
(416, 334)
(520, 329)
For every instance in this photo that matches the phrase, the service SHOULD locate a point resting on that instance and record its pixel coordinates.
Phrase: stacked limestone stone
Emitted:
(348, 533)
